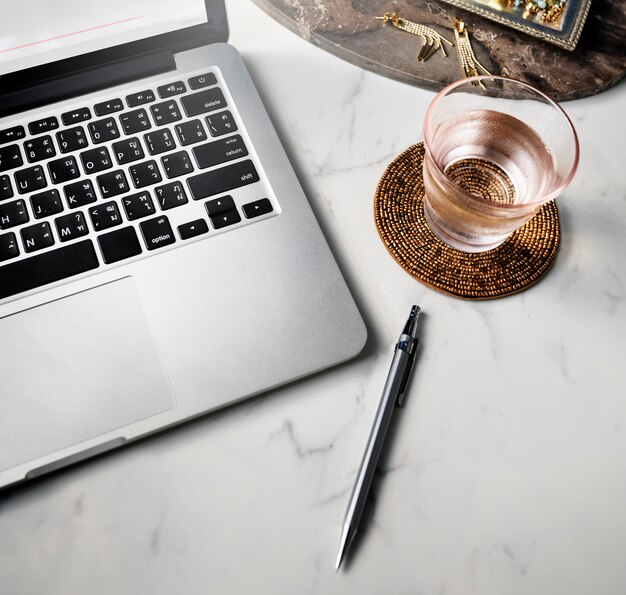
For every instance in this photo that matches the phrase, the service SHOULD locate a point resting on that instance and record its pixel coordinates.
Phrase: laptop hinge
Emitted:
(88, 81)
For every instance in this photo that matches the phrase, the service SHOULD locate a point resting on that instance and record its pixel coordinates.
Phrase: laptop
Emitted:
(158, 258)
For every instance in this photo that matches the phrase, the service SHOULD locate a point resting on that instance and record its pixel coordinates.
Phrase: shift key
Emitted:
(223, 179)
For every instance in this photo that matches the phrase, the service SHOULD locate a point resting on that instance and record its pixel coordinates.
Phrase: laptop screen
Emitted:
(54, 49)
(37, 32)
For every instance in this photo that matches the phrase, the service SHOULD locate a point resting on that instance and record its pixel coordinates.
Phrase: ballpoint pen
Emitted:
(393, 393)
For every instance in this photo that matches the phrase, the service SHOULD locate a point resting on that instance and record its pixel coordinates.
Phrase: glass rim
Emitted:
(446, 90)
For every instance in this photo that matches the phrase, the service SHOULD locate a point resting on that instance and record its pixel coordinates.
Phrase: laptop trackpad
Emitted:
(75, 369)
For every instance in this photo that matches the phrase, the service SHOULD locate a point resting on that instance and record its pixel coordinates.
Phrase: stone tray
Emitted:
(347, 28)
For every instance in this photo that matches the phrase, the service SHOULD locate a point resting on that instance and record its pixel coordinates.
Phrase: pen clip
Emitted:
(404, 383)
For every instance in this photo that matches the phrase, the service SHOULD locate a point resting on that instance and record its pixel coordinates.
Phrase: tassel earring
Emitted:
(470, 65)
(431, 40)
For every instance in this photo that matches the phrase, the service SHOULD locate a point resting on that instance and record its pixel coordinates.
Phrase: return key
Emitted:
(220, 151)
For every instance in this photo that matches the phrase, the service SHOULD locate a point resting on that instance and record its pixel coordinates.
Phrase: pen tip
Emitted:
(344, 544)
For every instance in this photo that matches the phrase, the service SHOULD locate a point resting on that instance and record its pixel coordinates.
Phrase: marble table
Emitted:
(506, 471)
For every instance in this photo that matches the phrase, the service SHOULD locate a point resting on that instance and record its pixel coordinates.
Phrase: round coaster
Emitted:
(516, 264)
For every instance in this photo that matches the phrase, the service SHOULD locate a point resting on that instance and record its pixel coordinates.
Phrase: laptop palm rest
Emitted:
(75, 369)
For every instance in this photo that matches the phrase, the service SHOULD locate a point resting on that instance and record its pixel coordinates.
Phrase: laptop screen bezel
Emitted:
(213, 31)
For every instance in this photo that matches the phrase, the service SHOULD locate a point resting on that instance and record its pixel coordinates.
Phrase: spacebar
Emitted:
(47, 268)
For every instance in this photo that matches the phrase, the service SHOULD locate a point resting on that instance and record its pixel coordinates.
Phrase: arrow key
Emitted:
(257, 208)
(219, 205)
(192, 229)
(225, 218)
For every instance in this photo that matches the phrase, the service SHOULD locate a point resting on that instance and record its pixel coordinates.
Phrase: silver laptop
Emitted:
(158, 259)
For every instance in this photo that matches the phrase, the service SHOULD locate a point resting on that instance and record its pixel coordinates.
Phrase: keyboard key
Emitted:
(138, 205)
(173, 89)
(257, 208)
(171, 195)
(141, 98)
(204, 80)
(223, 179)
(221, 123)
(192, 229)
(108, 107)
(165, 112)
(6, 190)
(30, 179)
(105, 215)
(63, 170)
(219, 205)
(135, 121)
(157, 232)
(144, 174)
(225, 218)
(36, 237)
(219, 151)
(96, 160)
(177, 164)
(78, 115)
(9, 135)
(159, 141)
(103, 130)
(204, 101)
(43, 125)
(112, 183)
(71, 139)
(72, 226)
(10, 157)
(8, 247)
(12, 214)
(119, 244)
(46, 203)
(128, 150)
(79, 194)
(39, 148)
(190, 132)
(47, 267)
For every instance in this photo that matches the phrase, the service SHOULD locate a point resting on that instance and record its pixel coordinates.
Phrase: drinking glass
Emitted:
(495, 151)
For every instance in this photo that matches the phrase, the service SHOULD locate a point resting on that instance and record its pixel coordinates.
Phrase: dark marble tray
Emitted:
(347, 28)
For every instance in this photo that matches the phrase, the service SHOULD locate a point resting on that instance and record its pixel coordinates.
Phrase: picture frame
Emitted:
(559, 22)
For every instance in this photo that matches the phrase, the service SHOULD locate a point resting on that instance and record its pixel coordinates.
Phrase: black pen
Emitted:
(393, 393)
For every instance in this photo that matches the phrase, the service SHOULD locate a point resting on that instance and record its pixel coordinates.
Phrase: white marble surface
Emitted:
(506, 472)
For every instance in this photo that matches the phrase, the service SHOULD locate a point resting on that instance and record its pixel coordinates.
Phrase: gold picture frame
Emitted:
(556, 21)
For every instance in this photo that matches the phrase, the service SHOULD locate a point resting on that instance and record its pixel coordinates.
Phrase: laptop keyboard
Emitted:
(124, 178)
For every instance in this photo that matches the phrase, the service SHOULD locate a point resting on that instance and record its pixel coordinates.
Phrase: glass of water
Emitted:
(496, 150)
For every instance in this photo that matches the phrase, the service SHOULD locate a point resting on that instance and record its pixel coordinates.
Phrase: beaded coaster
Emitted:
(516, 264)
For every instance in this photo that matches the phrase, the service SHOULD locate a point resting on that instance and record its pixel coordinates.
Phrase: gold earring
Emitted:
(470, 65)
(431, 40)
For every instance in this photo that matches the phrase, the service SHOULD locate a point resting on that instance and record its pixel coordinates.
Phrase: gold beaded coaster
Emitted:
(519, 262)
